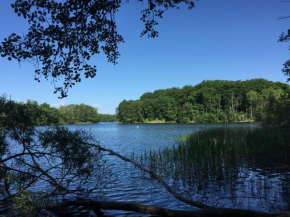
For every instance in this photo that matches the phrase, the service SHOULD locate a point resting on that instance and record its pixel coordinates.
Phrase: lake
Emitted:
(255, 188)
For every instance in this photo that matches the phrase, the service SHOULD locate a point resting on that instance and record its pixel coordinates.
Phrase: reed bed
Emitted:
(234, 167)
(220, 153)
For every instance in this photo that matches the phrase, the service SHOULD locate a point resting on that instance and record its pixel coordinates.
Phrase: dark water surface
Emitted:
(251, 189)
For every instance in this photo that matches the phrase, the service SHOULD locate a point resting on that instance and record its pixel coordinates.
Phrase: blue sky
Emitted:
(225, 39)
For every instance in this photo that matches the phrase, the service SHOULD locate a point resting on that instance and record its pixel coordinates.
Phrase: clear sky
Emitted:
(224, 39)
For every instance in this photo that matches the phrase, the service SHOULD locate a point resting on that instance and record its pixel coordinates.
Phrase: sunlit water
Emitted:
(250, 190)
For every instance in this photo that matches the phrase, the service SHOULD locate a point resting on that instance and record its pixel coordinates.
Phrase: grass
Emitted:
(156, 121)
(235, 167)
(218, 153)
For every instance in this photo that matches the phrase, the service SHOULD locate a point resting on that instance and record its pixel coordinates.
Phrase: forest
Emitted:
(108, 118)
(206, 102)
(43, 114)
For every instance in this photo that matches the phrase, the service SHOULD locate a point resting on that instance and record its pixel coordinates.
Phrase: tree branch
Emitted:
(206, 210)
(135, 207)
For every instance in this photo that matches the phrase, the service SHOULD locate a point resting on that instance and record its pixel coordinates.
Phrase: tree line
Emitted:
(108, 118)
(44, 114)
(208, 101)
(70, 162)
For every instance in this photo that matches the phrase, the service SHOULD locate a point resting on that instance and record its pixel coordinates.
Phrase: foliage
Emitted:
(107, 118)
(73, 114)
(278, 111)
(39, 166)
(29, 113)
(63, 36)
(284, 37)
(207, 102)
(43, 114)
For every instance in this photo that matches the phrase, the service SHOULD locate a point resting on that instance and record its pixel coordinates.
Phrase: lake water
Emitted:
(250, 190)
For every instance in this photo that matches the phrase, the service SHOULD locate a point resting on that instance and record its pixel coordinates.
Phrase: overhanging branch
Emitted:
(205, 209)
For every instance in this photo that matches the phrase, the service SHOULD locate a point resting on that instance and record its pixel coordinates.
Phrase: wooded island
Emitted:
(207, 102)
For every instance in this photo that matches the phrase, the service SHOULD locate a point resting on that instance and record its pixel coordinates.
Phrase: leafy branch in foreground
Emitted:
(44, 165)
(63, 36)
(58, 164)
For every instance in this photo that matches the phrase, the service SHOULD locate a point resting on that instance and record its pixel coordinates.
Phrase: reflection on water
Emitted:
(244, 187)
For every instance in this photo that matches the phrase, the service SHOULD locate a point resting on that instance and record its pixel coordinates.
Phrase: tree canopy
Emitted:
(108, 118)
(55, 158)
(44, 114)
(209, 101)
(63, 36)
(285, 37)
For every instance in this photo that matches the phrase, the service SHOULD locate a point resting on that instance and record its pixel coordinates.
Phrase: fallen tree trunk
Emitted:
(153, 210)
(133, 207)
(156, 176)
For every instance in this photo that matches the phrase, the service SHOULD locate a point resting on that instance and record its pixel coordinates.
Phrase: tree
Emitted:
(48, 115)
(56, 160)
(73, 114)
(108, 118)
(63, 36)
(63, 162)
(277, 113)
(252, 99)
(285, 37)
(209, 101)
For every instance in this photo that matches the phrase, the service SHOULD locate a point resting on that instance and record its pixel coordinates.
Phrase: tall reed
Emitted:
(240, 167)
(219, 152)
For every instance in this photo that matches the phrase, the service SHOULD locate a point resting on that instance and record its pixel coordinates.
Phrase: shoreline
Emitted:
(161, 122)
(153, 122)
